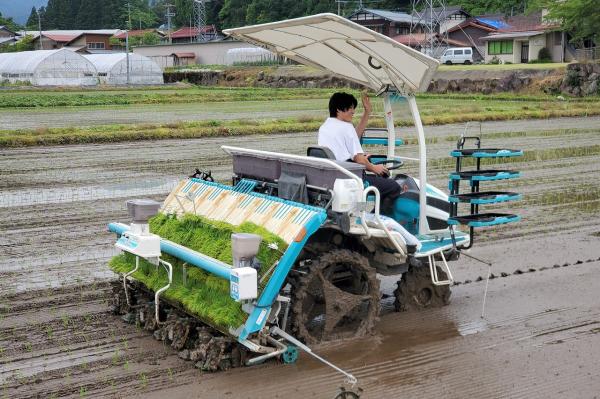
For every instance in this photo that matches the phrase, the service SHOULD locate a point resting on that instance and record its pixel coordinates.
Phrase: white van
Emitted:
(457, 55)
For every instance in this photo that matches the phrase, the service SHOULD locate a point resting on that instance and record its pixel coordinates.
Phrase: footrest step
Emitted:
(484, 219)
(490, 174)
(486, 152)
(485, 197)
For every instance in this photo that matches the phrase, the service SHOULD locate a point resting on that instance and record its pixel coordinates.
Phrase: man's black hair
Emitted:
(341, 102)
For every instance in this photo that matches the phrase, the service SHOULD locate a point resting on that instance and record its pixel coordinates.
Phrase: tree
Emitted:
(148, 38)
(25, 44)
(9, 23)
(478, 7)
(58, 14)
(233, 13)
(87, 16)
(184, 10)
(581, 18)
(32, 21)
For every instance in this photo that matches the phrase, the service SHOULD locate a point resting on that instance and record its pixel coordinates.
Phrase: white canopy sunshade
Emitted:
(346, 49)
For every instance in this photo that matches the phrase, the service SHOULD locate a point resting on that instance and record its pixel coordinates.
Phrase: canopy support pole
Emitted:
(423, 224)
(389, 123)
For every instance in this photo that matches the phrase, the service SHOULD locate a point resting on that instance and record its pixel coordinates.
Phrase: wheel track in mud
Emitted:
(404, 372)
(111, 343)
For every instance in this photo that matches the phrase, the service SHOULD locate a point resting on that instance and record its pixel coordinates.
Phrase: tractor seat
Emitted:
(320, 152)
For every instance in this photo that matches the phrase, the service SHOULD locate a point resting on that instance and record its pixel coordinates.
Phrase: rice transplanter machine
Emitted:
(287, 256)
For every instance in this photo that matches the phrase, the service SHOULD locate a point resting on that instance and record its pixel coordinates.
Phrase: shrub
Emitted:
(572, 78)
(545, 55)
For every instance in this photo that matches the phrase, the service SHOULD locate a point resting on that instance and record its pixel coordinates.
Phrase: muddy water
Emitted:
(57, 337)
(536, 341)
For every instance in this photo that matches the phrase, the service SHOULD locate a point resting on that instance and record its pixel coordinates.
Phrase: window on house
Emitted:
(402, 30)
(500, 47)
(96, 46)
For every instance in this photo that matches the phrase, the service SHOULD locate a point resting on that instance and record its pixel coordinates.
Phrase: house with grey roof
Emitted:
(388, 23)
(7, 36)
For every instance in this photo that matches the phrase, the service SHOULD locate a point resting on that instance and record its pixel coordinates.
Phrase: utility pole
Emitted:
(40, 28)
(169, 14)
(339, 4)
(127, 39)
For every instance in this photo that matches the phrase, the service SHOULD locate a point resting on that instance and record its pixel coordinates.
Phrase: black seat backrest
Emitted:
(320, 152)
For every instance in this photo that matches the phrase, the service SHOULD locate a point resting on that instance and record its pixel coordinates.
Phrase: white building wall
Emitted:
(206, 53)
(536, 43)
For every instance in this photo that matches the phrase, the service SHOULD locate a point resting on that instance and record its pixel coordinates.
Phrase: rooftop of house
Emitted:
(7, 29)
(476, 23)
(192, 31)
(397, 16)
(420, 39)
(63, 35)
(394, 16)
(441, 12)
(518, 23)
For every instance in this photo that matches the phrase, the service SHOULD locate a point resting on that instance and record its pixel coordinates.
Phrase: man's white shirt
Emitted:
(341, 138)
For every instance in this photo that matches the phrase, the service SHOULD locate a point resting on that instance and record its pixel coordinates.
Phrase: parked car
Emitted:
(458, 55)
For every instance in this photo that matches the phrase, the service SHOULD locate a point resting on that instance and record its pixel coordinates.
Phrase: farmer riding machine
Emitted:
(288, 255)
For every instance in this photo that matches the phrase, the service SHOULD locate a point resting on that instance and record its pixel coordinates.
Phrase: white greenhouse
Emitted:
(47, 68)
(112, 69)
(245, 55)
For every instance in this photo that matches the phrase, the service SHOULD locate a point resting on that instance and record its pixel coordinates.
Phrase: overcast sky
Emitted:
(19, 9)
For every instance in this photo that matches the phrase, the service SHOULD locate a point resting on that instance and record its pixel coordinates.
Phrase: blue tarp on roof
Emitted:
(496, 23)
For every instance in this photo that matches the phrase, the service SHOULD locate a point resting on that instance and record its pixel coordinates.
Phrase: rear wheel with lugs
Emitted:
(336, 298)
(416, 290)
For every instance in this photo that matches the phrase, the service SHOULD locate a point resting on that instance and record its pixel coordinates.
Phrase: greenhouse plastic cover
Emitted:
(334, 44)
(47, 67)
(142, 69)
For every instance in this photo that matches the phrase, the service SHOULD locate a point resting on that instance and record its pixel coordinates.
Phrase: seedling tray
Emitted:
(486, 152)
(489, 174)
(484, 219)
(485, 197)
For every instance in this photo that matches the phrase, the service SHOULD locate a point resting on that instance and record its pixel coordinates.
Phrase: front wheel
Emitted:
(448, 62)
(417, 291)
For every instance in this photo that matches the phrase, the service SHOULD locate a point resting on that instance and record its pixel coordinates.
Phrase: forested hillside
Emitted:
(95, 14)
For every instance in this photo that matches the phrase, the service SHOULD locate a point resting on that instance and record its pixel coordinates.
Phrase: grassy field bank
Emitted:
(64, 97)
(308, 108)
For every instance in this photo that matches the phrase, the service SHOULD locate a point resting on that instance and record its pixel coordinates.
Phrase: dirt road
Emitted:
(539, 337)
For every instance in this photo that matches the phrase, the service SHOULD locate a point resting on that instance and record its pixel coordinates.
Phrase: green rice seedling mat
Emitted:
(203, 295)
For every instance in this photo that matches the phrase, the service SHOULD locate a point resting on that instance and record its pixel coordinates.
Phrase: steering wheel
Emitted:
(380, 159)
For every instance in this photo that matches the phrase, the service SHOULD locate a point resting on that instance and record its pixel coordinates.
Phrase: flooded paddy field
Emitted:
(539, 337)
